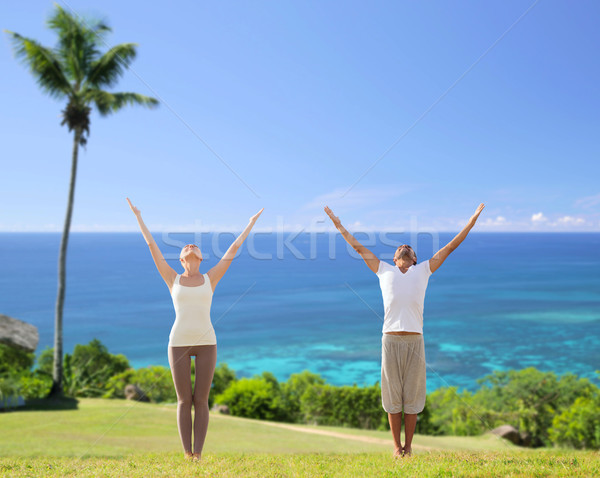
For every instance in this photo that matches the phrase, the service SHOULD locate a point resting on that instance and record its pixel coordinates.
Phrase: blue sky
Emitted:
(297, 100)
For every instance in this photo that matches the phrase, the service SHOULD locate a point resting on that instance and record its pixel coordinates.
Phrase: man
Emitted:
(403, 367)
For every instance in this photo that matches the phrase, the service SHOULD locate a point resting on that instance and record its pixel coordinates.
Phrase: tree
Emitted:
(76, 70)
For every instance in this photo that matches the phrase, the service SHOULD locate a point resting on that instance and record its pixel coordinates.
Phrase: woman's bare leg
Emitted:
(180, 363)
(206, 359)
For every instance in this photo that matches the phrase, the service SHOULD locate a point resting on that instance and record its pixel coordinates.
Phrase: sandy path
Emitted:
(314, 431)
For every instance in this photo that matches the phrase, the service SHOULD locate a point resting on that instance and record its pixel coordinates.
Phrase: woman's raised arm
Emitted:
(166, 271)
(370, 259)
(217, 272)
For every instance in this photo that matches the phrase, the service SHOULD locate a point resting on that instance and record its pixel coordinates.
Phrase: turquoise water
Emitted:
(501, 301)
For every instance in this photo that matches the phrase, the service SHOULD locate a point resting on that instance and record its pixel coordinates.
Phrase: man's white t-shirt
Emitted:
(403, 296)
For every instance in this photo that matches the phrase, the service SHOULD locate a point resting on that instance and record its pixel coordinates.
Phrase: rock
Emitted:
(16, 333)
(133, 392)
(509, 433)
(224, 409)
(525, 439)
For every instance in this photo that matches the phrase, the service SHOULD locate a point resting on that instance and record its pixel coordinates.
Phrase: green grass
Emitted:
(120, 438)
(437, 464)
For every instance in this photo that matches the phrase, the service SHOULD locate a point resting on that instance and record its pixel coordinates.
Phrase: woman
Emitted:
(403, 352)
(192, 333)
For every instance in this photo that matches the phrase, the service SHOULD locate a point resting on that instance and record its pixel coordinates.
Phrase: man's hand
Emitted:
(256, 216)
(135, 210)
(333, 217)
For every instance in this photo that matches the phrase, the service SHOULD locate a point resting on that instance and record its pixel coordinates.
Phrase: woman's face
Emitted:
(190, 249)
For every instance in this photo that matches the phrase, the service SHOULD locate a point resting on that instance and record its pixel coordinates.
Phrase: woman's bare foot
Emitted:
(398, 453)
(196, 457)
(188, 455)
(407, 451)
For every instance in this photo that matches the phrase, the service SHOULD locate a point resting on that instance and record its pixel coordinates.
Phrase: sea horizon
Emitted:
(494, 305)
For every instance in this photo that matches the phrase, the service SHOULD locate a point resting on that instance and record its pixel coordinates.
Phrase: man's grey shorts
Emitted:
(403, 373)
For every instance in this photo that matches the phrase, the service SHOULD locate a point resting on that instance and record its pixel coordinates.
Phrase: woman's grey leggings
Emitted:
(180, 363)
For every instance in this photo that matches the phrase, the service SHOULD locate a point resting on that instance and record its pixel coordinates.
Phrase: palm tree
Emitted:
(76, 70)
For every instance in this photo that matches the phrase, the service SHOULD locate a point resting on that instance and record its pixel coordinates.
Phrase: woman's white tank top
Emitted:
(192, 324)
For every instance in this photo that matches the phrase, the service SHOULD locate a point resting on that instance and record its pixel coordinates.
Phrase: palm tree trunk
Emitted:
(57, 372)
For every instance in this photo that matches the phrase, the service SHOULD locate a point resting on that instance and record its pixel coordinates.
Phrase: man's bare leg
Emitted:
(395, 420)
(410, 423)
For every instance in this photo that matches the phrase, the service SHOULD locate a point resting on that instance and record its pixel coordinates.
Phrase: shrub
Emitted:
(358, 407)
(14, 359)
(45, 361)
(449, 412)
(579, 425)
(16, 379)
(34, 385)
(257, 397)
(156, 382)
(9, 386)
(222, 378)
(88, 370)
(294, 389)
(529, 399)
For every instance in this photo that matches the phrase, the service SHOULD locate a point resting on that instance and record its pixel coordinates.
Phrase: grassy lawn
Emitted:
(118, 428)
(435, 464)
(120, 438)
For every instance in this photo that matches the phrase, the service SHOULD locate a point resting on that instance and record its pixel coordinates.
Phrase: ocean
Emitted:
(292, 301)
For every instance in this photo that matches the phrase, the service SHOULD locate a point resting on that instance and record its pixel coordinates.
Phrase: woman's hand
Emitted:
(475, 216)
(256, 216)
(217, 272)
(135, 210)
(333, 217)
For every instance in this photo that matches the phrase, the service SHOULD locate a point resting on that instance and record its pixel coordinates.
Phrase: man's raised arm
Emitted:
(440, 256)
(369, 258)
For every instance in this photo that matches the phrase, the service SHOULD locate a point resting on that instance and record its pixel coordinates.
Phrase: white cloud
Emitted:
(539, 218)
(570, 221)
(588, 201)
(342, 198)
(499, 221)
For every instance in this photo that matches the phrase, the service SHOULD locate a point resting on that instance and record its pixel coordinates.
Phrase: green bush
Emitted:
(222, 378)
(9, 386)
(34, 385)
(358, 407)
(294, 389)
(449, 412)
(155, 382)
(16, 378)
(45, 361)
(257, 397)
(14, 359)
(88, 370)
(529, 399)
(579, 425)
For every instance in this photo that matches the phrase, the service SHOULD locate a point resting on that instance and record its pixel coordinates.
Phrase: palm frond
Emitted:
(63, 21)
(78, 41)
(43, 64)
(108, 103)
(110, 66)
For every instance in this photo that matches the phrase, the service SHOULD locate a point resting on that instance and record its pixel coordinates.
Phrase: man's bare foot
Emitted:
(196, 457)
(398, 453)
(407, 451)
(188, 455)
